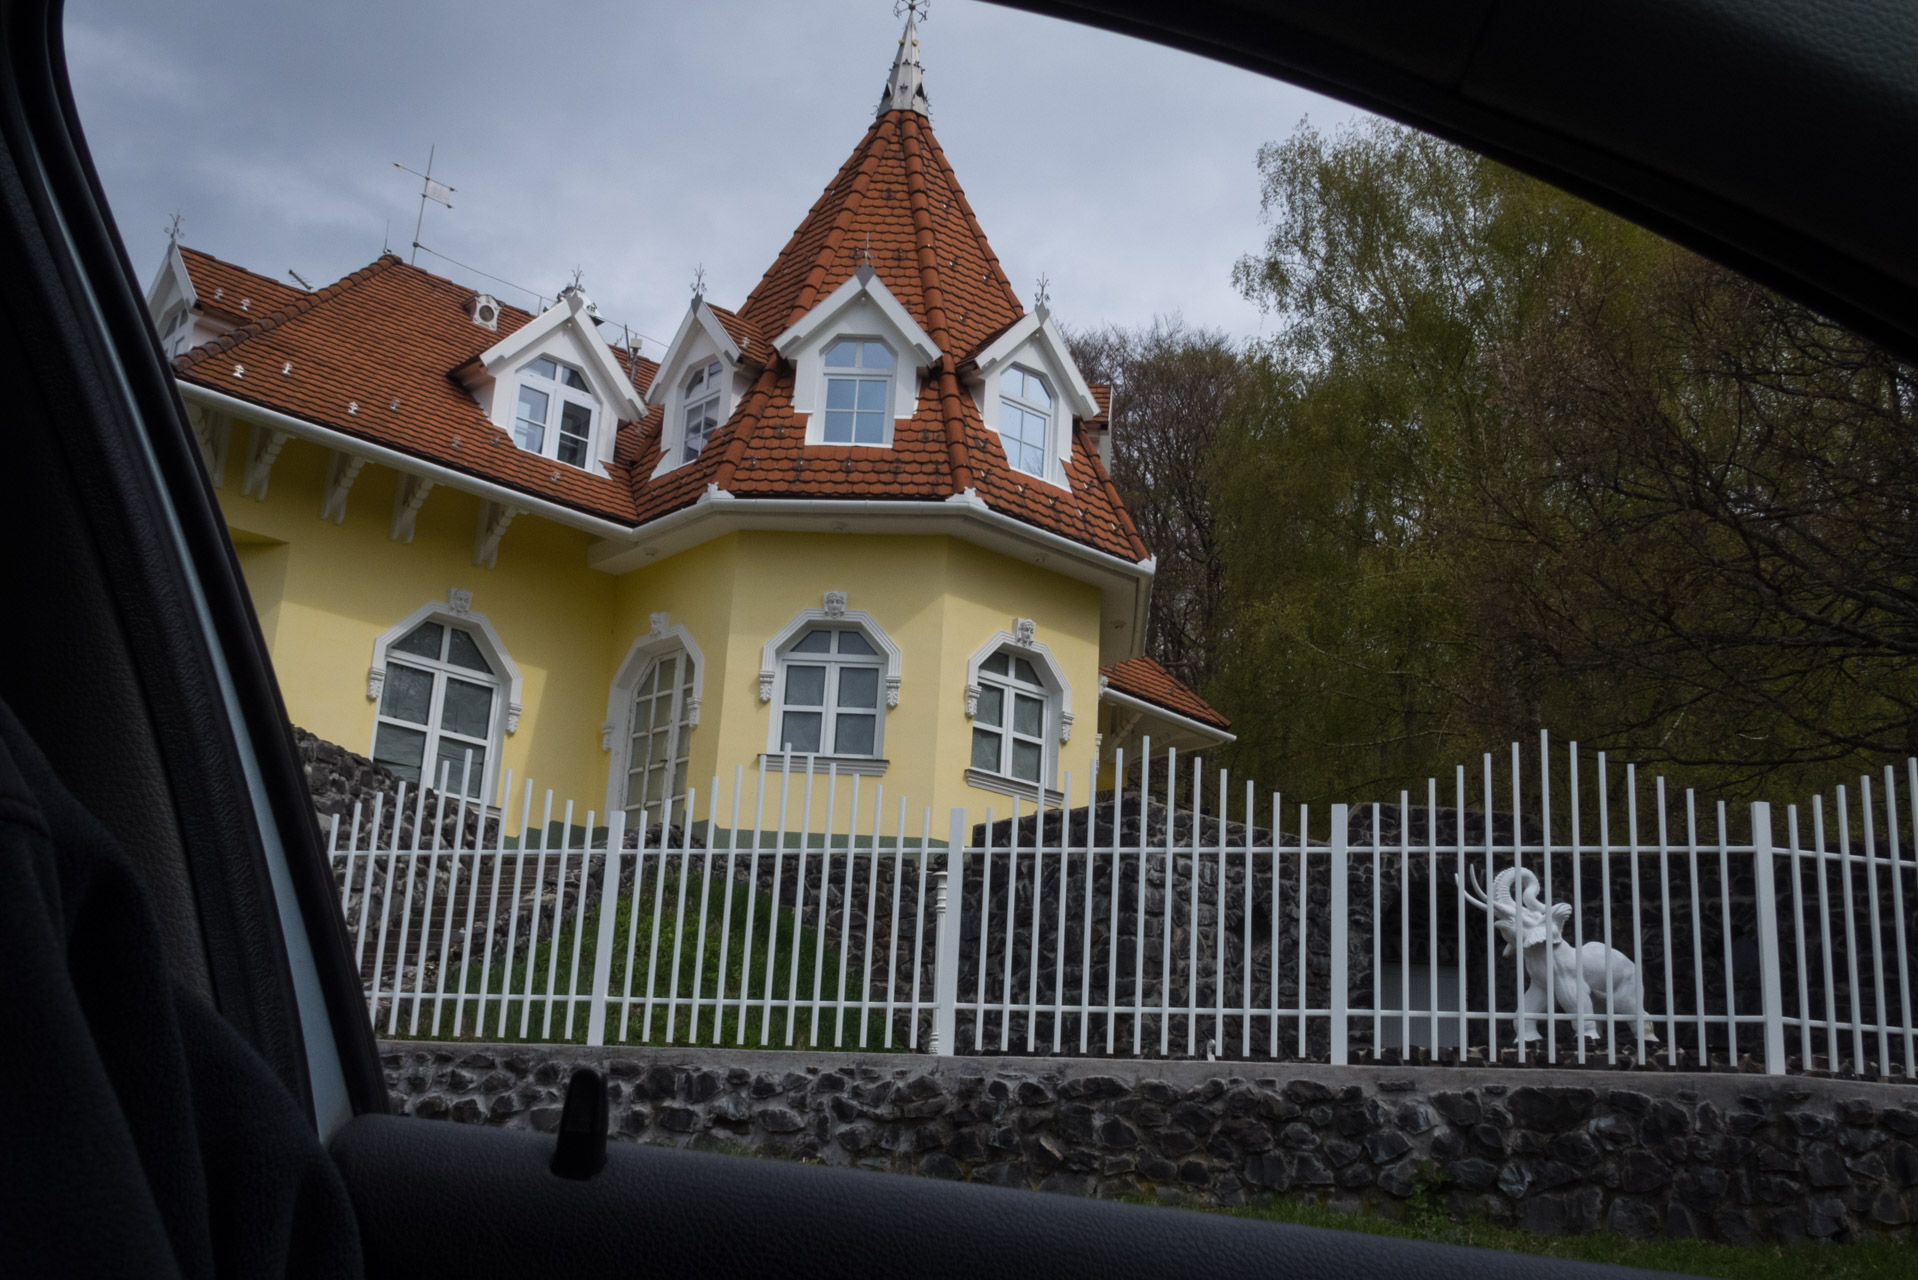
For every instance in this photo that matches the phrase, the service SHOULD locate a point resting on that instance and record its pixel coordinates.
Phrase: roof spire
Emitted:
(906, 86)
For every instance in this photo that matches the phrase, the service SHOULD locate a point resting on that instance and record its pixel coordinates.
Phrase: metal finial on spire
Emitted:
(173, 227)
(920, 9)
(906, 86)
(1042, 295)
(699, 282)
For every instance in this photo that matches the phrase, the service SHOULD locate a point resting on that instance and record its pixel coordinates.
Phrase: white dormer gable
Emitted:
(860, 311)
(174, 305)
(694, 394)
(545, 362)
(1004, 371)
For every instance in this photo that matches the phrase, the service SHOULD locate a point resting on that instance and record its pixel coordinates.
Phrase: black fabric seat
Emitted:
(144, 1136)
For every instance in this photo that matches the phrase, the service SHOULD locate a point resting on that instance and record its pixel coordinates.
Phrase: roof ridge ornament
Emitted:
(906, 86)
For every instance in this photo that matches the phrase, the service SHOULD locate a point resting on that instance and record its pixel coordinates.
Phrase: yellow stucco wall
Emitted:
(326, 591)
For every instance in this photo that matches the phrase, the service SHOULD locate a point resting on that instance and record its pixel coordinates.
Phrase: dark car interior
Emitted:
(195, 1088)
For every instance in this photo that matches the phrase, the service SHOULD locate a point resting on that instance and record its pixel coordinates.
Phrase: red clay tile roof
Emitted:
(223, 287)
(395, 332)
(1147, 681)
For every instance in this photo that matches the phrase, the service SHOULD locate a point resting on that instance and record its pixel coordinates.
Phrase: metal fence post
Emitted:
(948, 906)
(1339, 910)
(1765, 890)
(608, 911)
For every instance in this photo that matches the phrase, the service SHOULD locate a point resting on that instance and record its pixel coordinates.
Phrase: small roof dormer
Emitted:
(555, 386)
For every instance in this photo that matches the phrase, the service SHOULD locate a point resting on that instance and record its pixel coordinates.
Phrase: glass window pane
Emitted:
(407, 694)
(423, 640)
(876, 356)
(467, 708)
(842, 355)
(872, 394)
(575, 419)
(1032, 460)
(838, 428)
(1024, 671)
(805, 686)
(799, 730)
(854, 642)
(573, 379)
(1025, 760)
(995, 665)
(1014, 382)
(663, 671)
(542, 368)
(985, 750)
(452, 759)
(399, 750)
(992, 705)
(529, 428)
(871, 429)
(1028, 715)
(662, 740)
(814, 642)
(712, 371)
(697, 382)
(572, 450)
(841, 392)
(1036, 392)
(461, 651)
(853, 735)
(635, 788)
(859, 687)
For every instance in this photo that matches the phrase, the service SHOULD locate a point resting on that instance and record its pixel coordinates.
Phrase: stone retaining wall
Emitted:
(1736, 1158)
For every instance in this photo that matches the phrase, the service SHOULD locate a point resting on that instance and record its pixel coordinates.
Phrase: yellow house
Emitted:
(862, 519)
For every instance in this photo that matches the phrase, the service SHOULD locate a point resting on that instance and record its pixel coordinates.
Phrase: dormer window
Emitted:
(1025, 414)
(554, 417)
(704, 390)
(858, 392)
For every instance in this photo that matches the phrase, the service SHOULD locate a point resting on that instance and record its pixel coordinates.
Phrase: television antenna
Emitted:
(429, 190)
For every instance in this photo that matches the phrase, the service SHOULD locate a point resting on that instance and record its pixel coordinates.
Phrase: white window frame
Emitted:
(816, 434)
(772, 681)
(455, 612)
(558, 395)
(1022, 642)
(616, 734)
(713, 391)
(1047, 414)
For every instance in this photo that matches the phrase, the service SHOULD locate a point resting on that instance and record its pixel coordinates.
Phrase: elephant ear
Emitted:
(1561, 913)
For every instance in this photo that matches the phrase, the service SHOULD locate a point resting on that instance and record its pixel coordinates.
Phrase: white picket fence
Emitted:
(1174, 916)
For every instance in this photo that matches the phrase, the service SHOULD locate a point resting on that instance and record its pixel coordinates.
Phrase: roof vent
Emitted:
(483, 310)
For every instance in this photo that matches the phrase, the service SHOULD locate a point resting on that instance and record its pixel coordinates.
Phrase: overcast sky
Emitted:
(636, 141)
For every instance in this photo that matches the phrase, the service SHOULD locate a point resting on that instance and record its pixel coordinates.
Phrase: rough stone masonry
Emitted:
(1736, 1158)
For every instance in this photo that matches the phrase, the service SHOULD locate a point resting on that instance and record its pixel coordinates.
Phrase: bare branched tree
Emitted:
(1172, 388)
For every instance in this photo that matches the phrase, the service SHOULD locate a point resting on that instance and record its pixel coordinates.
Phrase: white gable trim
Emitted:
(172, 268)
(1038, 330)
(699, 319)
(456, 611)
(610, 383)
(1022, 643)
(864, 283)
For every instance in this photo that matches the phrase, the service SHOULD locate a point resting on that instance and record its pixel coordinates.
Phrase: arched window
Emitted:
(554, 416)
(1025, 415)
(439, 707)
(829, 680)
(858, 392)
(1020, 706)
(1009, 726)
(664, 710)
(701, 399)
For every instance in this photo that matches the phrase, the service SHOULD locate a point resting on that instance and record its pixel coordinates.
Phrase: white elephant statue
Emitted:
(1579, 976)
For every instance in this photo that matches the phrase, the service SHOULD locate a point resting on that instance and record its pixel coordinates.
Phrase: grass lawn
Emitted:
(655, 944)
(1423, 1220)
